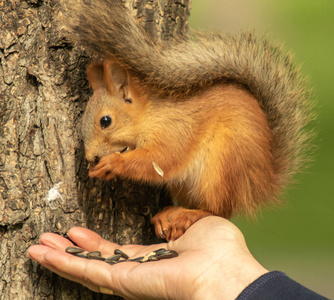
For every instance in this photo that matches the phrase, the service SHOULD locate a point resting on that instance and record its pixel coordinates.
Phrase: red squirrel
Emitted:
(219, 119)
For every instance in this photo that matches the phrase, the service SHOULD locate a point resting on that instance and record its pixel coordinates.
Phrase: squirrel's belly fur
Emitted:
(222, 116)
(230, 167)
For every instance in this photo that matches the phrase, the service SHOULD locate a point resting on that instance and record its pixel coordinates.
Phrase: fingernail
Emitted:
(104, 290)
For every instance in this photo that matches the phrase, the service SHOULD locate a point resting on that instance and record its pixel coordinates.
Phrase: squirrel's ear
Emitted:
(116, 77)
(95, 74)
(111, 75)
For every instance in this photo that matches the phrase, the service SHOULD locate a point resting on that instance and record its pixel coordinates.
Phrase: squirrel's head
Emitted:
(110, 121)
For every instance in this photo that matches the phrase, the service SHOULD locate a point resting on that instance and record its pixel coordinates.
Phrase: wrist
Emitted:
(226, 279)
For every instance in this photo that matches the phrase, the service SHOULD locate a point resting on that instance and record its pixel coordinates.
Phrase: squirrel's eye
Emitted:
(105, 122)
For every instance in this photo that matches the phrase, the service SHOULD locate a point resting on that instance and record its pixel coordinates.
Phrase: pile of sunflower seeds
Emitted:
(119, 256)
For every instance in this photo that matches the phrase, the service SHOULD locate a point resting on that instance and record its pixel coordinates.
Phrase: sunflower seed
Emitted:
(121, 253)
(95, 255)
(97, 258)
(149, 257)
(82, 255)
(113, 258)
(161, 250)
(158, 169)
(122, 260)
(152, 258)
(112, 262)
(155, 255)
(137, 258)
(124, 150)
(74, 250)
(167, 254)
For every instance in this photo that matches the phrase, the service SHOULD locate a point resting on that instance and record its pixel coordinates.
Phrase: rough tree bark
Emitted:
(43, 174)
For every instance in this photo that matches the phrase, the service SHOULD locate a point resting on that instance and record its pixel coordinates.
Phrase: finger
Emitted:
(128, 279)
(95, 275)
(55, 241)
(84, 238)
(91, 241)
(39, 252)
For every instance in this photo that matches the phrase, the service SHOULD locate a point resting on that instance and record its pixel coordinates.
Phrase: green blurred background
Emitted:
(298, 236)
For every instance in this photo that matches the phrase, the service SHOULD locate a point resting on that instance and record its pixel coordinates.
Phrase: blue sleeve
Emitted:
(277, 286)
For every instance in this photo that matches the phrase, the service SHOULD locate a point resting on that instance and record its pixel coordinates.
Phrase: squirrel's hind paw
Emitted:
(172, 221)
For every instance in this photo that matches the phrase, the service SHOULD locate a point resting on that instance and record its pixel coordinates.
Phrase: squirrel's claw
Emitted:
(107, 167)
(173, 221)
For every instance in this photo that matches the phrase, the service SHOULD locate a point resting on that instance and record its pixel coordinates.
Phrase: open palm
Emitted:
(212, 254)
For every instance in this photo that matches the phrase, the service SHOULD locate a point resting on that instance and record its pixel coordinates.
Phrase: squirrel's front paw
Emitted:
(107, 168)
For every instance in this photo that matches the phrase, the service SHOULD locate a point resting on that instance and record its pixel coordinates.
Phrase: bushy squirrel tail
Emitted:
(185, 67)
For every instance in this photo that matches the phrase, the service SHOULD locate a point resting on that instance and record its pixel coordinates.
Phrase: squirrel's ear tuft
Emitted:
(116, 77)
(109, 74)
(95, 74)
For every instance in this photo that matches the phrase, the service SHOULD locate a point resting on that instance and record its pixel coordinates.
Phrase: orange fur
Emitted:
(223, 116)
(214, 148)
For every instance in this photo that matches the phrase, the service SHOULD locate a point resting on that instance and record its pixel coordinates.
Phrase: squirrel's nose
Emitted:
(94, 162)
(91, 158)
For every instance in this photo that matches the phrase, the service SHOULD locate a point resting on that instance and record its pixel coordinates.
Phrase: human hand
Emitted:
(213, 263)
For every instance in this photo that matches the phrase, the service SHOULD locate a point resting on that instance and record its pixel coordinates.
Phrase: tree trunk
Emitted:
(44, 186)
